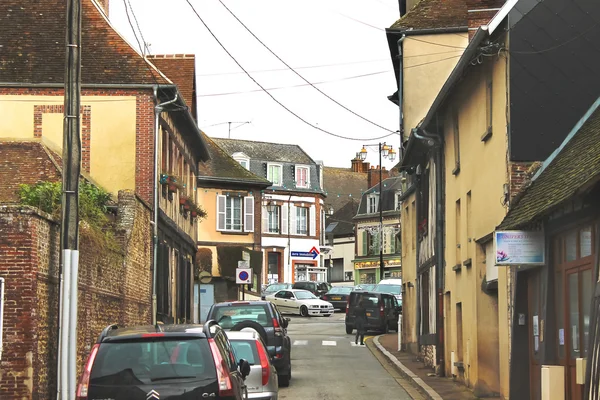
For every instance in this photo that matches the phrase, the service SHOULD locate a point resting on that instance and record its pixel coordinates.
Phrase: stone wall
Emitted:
(114, 287)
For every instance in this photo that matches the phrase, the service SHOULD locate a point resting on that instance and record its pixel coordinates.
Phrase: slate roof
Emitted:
(389, 189)
(32, 46)
(428, 14)
(573, 166)
(342, 185)
(25, 163)
(340, 223)
(265, 151)
(225, 168)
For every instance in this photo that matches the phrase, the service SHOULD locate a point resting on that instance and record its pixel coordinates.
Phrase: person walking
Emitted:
(360, 321)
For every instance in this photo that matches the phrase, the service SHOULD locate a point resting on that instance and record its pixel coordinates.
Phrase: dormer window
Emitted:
(372, 203)
(274, 174)
(243, 159)
(302, 176)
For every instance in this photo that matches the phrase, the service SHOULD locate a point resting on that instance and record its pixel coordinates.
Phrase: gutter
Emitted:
(401, 90)
(213, 179)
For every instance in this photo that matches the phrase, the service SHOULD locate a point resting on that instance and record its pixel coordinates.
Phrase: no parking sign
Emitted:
(243, 276)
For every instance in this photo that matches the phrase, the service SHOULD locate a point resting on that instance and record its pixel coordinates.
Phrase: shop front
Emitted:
(367, 271)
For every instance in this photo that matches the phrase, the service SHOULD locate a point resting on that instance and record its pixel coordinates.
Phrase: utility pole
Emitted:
(71, 155)
(380, 206)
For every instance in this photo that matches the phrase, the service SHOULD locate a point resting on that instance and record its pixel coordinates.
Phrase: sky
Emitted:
(337, 45)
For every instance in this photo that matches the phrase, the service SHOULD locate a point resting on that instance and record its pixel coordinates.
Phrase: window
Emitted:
(302, 177)
(244, 163)
(243, 159)
(398, 201)
(372, 203)
(231, 216)
(274, 220)
(302, 220)
(488, 110)
(274, 174)
(456, 144)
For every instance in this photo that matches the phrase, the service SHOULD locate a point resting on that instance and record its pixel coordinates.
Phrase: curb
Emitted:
(427, 390)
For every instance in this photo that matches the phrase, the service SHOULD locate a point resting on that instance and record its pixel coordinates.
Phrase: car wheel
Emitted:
(304, 311)
(349, 329)
(251, 324)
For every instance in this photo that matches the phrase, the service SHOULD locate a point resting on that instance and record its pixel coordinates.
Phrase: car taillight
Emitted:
(82, 388)
(264, 362)
(225, 387)
(278, 330)
(347, 305)
(381, 309)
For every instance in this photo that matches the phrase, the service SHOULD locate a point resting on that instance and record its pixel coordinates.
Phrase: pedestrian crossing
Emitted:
(327, 343)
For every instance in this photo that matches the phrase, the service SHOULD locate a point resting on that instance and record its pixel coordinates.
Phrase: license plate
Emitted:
(368, 314)
(336, 298)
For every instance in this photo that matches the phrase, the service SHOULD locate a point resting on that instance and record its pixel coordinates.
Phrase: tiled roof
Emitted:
(342, 184)
(181, 69)
(32, 46)
(221, 165)
(428, 14)
(562, 175)
(390, 187)
(265, 151)
(25, 163)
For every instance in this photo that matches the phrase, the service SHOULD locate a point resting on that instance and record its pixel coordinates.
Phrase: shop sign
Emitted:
(519, 247)
(375, 264)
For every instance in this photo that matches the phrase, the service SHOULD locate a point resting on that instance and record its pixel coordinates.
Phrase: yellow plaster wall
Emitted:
(483, 173)
(207, 229)
(409, 274)
(113, 130)
(428, 61)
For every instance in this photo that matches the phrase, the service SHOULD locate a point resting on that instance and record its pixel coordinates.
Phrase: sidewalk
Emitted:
(433, 387)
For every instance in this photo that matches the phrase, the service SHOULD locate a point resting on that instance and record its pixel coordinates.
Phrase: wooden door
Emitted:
(534, 320)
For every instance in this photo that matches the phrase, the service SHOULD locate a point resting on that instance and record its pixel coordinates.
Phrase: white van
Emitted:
(393, 286)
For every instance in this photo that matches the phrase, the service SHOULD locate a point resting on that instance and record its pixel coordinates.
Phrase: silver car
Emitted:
(262, 382)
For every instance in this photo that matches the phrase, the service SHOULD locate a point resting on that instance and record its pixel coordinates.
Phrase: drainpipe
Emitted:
(436, 140)
(401, 88)
(289, 222)
(158, 108)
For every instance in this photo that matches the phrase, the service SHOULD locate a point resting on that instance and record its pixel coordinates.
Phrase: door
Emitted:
(274, 274)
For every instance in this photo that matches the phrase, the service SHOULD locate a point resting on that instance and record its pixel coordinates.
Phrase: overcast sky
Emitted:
(338, 45)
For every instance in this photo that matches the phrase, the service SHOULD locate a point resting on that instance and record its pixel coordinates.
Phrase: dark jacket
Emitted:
(360, 318)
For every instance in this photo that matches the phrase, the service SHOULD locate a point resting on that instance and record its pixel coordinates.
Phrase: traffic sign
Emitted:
(243, 276)
(243, 264)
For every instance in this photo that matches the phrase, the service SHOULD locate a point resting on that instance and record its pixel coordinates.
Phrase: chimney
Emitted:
(359, 165)
(373, 176)
(103, 5)
(480, 12)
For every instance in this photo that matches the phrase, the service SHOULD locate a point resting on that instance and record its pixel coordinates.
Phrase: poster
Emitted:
(561, 337)
(536, 328)
(519, 247)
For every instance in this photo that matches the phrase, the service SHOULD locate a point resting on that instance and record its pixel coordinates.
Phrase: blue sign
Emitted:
(244, 276)
(313, 253)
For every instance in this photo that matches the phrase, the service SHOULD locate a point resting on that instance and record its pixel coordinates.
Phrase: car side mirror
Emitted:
(286, 322)
(244, 368)
(272, 352)
(399, 309)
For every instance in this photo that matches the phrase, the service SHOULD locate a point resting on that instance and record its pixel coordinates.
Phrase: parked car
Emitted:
(274, 287)
(338, 296)
(265, 318)
(302, 302)
(382, 311)
(316, 288)
(261, 383)
(365, 286)
(171, 360)
(396, 290)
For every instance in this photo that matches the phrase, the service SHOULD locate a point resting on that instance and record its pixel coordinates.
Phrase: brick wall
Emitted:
(520, 176)
(481, 12)
(144, 147)
(114, 287)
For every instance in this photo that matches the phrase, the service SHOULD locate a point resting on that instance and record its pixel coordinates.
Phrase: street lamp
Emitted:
(388, 152)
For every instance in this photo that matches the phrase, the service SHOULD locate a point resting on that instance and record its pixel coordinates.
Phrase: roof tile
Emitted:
(429, 14)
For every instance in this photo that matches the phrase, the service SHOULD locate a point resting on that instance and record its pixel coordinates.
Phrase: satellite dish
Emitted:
(205, 277)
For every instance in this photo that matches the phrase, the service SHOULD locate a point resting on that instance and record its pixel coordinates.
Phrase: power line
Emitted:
(300, 76)
(138, 26)
(291, 86)
(269, 94)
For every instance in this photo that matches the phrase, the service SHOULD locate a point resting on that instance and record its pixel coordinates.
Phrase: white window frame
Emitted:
(277, 221)
(372, 203)
(241, 157)
(270, 177)
(246, 215)
(304, 167)
(299, 220)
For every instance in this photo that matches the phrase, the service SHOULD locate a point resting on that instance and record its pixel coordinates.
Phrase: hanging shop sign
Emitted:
(519, 247)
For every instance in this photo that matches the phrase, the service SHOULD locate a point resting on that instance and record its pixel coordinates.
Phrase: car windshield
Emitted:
(340, 290)
(133, 362)
(365, 287)
(228, 316)
(246, 349)
(393, 289)
(304, 295)
(275, 288)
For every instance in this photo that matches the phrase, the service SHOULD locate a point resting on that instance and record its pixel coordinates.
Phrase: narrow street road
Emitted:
(326, 365)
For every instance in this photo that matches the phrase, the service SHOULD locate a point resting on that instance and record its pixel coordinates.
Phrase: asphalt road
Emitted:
(326, 365)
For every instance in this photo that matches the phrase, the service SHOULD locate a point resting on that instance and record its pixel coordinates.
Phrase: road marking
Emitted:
(329, 343)
(300, 342)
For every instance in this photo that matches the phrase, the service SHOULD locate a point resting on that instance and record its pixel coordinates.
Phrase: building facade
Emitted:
(293, 214)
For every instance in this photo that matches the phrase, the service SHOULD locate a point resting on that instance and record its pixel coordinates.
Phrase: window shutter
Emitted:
(249, 214)
(284, 219)
(365, 243)
(312, 224)
(293, 228)
(221, 208)
(265, 220)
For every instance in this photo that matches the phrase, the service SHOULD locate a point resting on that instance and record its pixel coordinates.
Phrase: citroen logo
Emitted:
(152, 395)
